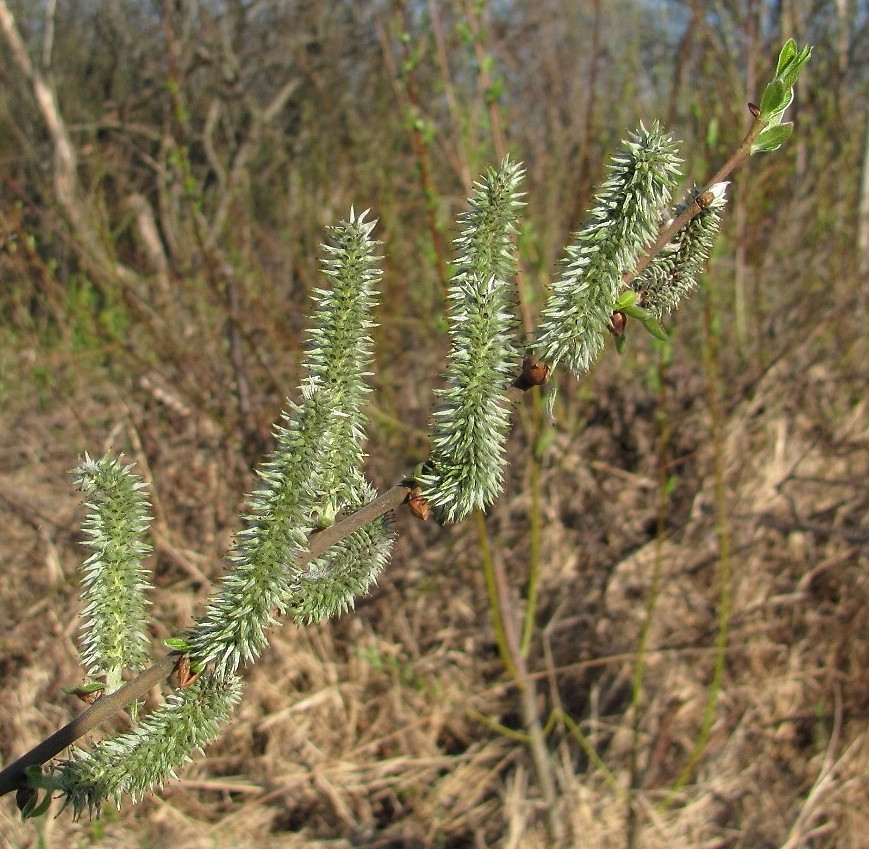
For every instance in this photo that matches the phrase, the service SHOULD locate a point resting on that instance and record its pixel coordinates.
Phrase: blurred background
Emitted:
(687, 534)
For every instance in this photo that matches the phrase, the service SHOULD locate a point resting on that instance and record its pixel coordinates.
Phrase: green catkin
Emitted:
(114, 635)
(470, 424)
(673, 274)
(148, 756)
(624, 220)
(313, 475)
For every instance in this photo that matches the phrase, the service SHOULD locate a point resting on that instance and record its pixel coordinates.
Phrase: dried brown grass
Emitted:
(361, 732)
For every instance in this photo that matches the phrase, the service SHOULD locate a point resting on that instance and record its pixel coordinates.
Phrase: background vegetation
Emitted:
(157, 251)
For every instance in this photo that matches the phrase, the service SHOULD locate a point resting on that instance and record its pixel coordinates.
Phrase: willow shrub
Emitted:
(637, 257)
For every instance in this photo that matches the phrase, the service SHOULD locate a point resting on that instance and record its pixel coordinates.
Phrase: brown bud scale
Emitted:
(618, 322)
(186, 676)
(417, 504)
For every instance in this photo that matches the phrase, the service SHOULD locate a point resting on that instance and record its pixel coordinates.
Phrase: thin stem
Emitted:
(652, 597)
(12, 777)
(498, 603)
(591, 753)
(710, 362)
(511, 654)
(500, 728)
(666, 235)
(534, 526)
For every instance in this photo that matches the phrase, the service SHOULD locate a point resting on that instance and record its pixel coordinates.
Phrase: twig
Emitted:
(739, 156)
(509, 645)
(13, 776)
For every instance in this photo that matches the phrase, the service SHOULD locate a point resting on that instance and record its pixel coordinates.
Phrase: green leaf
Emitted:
(655, 329)
(787, 53)
(772, 138)
(776, 98)
(791, 61)
(34, 807)
(778, 94)
(649, 322)
(36, 780)
(633, 311)
(627, 299)
(177, 644)
(91, 687)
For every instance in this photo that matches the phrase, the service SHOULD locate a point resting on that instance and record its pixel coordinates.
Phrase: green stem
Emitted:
(511, 654)
(495, 591)
(652, 597)
(534, 527)
(710, 363)
(591, 753)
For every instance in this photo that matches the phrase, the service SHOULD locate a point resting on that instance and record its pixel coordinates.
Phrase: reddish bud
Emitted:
(704, 200)
(186, 676)
(618, 323)
(417, 504)
(534, 373)
(88, 693)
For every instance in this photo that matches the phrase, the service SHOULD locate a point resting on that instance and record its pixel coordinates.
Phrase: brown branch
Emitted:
(736, 159)
(534, 373)
(13, 776)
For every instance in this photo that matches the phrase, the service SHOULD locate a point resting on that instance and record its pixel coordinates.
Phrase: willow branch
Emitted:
(13, 776)
(737, 158)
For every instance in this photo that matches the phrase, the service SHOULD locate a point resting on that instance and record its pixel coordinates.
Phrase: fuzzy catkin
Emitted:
(674, 273)
(114, 634)
(313, 475)
(146, 757)
(577, 315)
(469, 426)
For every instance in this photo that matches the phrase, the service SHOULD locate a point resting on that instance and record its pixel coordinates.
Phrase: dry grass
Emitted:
(361, 732)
